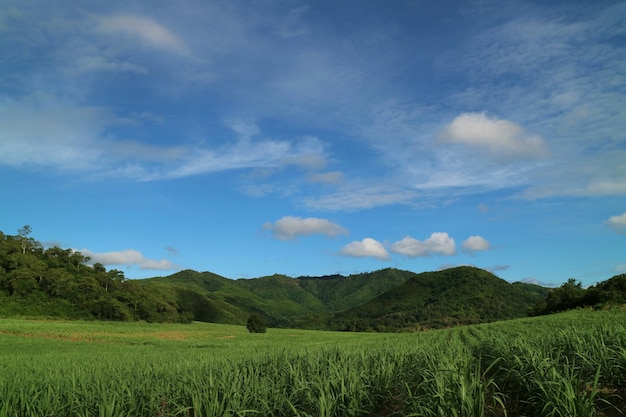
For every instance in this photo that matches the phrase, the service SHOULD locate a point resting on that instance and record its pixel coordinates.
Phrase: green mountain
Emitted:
(280, 300)
(385, 300)
(461, 295)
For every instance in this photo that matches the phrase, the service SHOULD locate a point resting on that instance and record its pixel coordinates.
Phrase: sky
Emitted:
(321, 137)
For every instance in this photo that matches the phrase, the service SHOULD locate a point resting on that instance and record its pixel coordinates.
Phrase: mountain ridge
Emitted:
(385, 300)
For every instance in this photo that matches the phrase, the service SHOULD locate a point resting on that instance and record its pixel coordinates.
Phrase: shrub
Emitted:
(256, 324)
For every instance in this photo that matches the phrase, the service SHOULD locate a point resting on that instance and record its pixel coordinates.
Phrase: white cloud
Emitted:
(439, 243)
(367, 247)
(618, 223)
(500, 137)
(128, 257)
(289, 227)
(145, 30)
(475, 244)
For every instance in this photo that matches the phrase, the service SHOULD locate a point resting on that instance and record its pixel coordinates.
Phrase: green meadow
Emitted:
(568, 364)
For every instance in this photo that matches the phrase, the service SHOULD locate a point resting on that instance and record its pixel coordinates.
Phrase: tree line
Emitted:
(59, 282)
(572, 295)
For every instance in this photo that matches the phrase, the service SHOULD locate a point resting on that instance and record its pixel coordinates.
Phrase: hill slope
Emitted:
(454, 296)
(388, 299)
(281, 300)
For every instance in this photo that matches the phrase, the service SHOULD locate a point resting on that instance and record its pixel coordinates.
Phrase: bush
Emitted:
(256, 324)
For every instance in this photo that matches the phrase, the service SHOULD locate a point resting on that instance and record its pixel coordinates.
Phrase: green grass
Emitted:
(571, 364)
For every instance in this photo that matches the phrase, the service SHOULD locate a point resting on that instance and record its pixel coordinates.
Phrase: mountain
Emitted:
(385, 300)
(461, 295)
(281, 300)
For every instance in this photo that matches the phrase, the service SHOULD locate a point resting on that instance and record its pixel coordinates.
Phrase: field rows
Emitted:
(570, 364)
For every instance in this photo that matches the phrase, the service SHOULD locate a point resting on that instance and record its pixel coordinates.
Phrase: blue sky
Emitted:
(311, 138)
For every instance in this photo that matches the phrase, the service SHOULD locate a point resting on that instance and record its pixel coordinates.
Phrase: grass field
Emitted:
(571, 364)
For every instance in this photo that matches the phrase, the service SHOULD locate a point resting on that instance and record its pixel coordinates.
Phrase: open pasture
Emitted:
(571, 364)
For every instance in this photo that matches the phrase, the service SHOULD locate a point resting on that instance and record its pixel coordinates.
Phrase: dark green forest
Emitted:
(62, 283)
(56, 282)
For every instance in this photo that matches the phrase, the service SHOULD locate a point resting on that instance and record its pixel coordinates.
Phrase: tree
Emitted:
(567, 296)
(24, 239)
(256, 324)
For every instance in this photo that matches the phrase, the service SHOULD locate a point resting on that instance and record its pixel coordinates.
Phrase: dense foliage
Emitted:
(57, 282)
(456, 296)
(384, 300)
(282, 301)
(572, 295)
(256, 324)
(571, 364)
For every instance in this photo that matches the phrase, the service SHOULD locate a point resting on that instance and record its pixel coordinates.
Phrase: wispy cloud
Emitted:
(292, 25)
(242, 154)
(144, 30)
(331, 177)
(289, 227)
(357, 195)
(99, 63)
(36, 134)
(558, 131)
(42, 132)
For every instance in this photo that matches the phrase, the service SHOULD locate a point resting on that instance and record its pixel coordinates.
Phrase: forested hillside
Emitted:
(56, 282)
(282, 301)
(462, 295)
